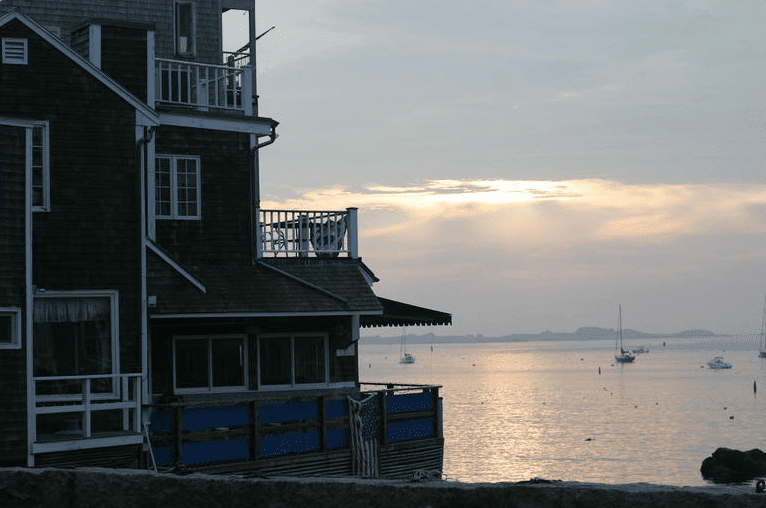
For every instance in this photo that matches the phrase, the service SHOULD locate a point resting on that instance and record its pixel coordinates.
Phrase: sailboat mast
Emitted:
(619, 307)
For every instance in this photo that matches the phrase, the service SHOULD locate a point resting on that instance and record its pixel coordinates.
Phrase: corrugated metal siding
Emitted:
(118, 457)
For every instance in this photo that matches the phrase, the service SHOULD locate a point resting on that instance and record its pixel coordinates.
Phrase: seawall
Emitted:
(91, 487)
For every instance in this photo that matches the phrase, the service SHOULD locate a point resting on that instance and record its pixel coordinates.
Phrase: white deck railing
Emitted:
(86, 395)
(302, 233)
(204, 86)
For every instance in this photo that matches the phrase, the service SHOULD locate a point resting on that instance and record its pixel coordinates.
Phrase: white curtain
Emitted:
(71, 310)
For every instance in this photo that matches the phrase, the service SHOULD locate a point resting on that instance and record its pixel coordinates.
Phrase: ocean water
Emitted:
(516, 411)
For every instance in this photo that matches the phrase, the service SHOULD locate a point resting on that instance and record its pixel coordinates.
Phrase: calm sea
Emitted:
(515, 411)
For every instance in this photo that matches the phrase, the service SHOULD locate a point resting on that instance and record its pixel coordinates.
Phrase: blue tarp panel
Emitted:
(212, 451)
(197, 418)
(336, 408)
(338, 438)
(413, 429)
(289, 443)
(287, 412)
(410, 402)
(163, 455)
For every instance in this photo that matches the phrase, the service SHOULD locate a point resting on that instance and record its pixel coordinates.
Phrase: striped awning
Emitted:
(403, 314)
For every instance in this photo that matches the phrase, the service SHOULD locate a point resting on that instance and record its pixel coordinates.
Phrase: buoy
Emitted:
(755, 389)
(599, 370)
(760, 486)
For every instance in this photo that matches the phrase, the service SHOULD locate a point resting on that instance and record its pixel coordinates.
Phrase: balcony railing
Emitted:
(301, 233)
(73, 412)
(204, 86)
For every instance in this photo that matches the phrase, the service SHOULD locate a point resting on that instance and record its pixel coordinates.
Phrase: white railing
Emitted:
(84, 396)
(302, 233)
(204, 86)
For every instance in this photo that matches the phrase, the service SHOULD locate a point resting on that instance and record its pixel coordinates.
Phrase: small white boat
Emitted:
(404, 356)
(718, 363)
(622, 355)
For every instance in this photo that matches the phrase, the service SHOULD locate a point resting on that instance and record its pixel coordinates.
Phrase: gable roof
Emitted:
(91, 69)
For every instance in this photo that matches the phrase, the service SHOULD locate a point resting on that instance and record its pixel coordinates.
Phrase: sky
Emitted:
(528, 165)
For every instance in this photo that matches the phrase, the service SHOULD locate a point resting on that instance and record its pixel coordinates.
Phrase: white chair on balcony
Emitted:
(327, 237)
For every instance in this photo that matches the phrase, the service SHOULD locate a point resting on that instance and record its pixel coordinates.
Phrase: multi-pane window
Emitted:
(293, 360)
(75, 334)
(177, 187)
(185, 28)
(40, 172)
(10, 328)
(211, 362)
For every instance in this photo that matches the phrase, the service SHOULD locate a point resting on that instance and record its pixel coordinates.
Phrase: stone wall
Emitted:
(85, 488)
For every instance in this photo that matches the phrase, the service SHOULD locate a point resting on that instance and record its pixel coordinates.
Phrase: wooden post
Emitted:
(86, 417)
(384, 416)
(322, 420)
(255, 431)
(178, 427)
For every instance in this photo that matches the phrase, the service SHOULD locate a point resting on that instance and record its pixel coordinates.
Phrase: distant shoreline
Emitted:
(586, 333)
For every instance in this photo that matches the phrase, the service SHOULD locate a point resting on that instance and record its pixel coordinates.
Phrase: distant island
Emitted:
(584, 333)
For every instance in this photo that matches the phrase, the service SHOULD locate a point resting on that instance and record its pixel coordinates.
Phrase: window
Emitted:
(293, 360)
(210, 363)
(185, 28)
(75, 333)
(177, 187)
(10, 328)
(38, 140)
(15, 51)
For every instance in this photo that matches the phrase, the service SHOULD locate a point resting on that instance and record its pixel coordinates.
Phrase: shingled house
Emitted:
(151, 314)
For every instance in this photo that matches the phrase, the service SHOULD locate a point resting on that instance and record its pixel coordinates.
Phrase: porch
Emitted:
(207, 87)
(304, 434)
(305, 233)
(85, 412)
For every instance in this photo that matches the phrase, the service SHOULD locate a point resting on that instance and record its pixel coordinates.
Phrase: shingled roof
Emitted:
(300, 287)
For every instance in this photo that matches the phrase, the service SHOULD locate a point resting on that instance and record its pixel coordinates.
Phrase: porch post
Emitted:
(353, 242)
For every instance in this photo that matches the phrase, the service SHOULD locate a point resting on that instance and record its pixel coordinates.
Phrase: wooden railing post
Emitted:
(177, 428)
(322, 417)
(86, 416)
(384, 416)
(255, 431)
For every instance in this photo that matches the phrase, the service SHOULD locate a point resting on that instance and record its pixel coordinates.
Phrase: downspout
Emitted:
(255, 191)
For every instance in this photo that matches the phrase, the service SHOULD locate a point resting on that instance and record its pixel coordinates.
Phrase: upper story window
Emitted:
(41, 196)
(185, 28)
(177, 187)
(15, 51)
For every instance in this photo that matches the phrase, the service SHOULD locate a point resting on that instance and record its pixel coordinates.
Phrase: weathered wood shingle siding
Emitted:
(123, 57)
(223, 235)
(13, 417)
(70, 14)
(91, 237)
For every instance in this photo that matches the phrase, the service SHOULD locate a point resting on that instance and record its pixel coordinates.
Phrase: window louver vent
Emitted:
(15, 51)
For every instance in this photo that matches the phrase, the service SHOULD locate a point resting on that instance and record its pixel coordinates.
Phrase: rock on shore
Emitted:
(730, 466)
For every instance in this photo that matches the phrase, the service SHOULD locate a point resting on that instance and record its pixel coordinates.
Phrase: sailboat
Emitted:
(762, 351)
(404, 356)
(622, 355)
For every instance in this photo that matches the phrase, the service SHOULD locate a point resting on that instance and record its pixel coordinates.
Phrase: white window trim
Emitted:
(174, 187)
(210, 388)
(9, 58)
(15, 315)
(193, 42)
(113, 296)
(293, 385)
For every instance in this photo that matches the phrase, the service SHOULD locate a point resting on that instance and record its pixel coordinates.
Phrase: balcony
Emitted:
(80, 412)
(206, 87)
(302, 233)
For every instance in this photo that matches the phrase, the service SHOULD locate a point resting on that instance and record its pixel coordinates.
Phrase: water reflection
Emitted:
(517, 411)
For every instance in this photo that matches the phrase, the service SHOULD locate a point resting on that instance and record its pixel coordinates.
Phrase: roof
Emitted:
(403, 314)
(94, 71)
(318, 287)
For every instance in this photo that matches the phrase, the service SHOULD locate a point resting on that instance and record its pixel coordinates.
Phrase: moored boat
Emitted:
(622, 355)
